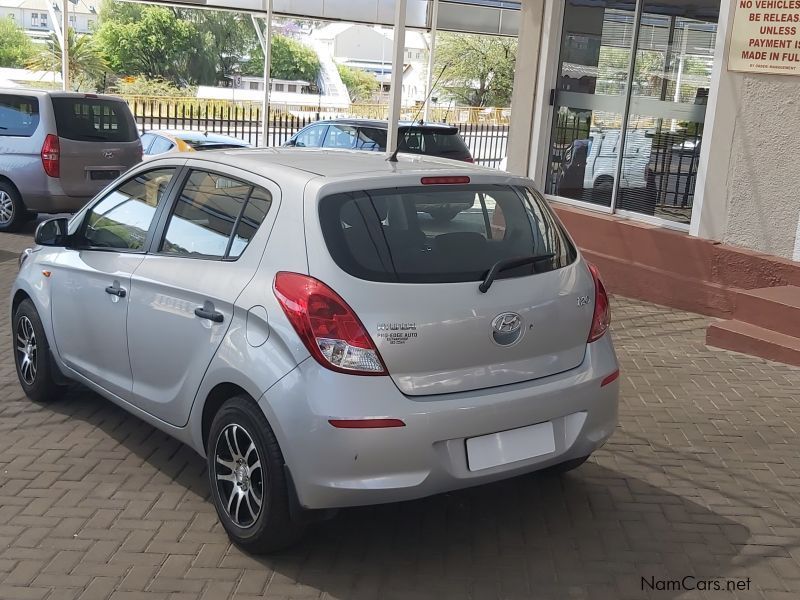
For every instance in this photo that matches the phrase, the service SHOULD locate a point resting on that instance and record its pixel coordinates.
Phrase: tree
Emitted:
(86, 64)
(16, 48)
(360, 85)
(478, 69)
(146, 40)
(289, 60)
(228, 38)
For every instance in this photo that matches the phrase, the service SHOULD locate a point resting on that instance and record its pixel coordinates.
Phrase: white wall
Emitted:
(748, 187)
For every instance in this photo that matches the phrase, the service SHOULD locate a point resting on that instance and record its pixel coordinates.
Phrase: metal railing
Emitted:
(487, 140)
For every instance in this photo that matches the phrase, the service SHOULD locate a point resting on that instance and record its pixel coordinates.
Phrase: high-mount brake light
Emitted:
(445, 180)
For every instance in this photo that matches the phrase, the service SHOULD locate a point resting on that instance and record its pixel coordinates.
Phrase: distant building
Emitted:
(37, 20)
(369, 48)
(294, 86)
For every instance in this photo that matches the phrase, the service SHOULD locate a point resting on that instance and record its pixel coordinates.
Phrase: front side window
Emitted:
(19, 115)
(441, 234)
(122, 219)
(310, 137)
(214, 217)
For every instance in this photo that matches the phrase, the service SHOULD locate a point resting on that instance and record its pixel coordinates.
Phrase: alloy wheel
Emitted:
(239, 475)
(26, 350)
(6, 208)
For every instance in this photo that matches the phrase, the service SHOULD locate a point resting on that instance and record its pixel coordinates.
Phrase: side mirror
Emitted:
(52, 232)
(290, 143)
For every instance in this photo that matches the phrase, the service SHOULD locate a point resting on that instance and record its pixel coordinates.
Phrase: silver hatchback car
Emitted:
(296, 319)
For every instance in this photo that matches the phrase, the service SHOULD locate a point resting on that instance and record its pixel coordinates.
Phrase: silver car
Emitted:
(59, 149)
(296, 319)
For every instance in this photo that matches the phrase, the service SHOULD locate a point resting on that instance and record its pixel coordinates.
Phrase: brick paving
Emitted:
(702, 479)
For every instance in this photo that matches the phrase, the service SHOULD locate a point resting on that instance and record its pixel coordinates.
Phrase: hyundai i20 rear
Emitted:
(301, 321)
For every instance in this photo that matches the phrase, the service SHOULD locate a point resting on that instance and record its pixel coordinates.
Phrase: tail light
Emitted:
(51, 155)
(329, 328)
(601, 318)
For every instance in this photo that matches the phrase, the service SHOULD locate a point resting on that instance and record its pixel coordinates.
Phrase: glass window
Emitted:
(147, 139)
(441, 234)
(444, 142)
(340, 136)
(94, 119)
(311, 137)
(652, 168)
(206, 223)
(370, 138)
(123, 217)
(161, 145)
(19, 115)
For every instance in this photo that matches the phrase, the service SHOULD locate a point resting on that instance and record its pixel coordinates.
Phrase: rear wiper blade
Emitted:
(510, 263)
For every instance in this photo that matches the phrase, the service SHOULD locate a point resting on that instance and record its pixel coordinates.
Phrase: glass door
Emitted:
(627, 130)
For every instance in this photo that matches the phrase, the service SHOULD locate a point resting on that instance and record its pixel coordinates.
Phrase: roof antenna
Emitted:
(393, 157)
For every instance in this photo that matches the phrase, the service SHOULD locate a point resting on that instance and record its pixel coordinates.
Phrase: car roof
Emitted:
(56, 94)
(309, 163)
(199, 136)
(378, 124)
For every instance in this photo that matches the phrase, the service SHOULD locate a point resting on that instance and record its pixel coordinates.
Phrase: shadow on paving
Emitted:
(593, 533)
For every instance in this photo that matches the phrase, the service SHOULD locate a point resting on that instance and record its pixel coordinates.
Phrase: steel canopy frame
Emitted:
(496, 17)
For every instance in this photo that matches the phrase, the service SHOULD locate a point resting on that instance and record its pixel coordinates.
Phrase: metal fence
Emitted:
(487, 140)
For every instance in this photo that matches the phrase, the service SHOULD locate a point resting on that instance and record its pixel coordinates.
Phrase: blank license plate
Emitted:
(510, 446)
(103, 175)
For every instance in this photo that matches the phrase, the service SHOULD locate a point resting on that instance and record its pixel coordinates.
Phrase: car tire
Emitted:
(245, 463)
(12, 209)
(34, 364)
(566, 466)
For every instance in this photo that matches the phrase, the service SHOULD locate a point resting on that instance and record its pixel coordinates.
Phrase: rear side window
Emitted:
(122, 219)
(19, 115)
(370, 138)
(340, 136)
(93, 120)
(161, 145)
(441, 234)
(447, 143)
(215, 217)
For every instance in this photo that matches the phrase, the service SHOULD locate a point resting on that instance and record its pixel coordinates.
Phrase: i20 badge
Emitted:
(507, 329)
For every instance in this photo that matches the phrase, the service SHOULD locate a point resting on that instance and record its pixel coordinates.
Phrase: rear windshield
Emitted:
(207, 145)
(446, 143)
(94, 120)
(441, 234)
(19, 115)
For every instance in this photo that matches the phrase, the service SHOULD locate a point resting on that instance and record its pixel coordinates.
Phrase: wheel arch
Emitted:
(6, 179)
(218, 395)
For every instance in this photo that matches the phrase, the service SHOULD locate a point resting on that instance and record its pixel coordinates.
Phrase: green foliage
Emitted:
(152, 88)
(289, 60)
(16, 48)
(153, 41)
(86, 63)
(360, 85)
(478, 69)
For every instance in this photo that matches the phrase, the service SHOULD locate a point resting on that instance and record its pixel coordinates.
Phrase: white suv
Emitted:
(294, 317)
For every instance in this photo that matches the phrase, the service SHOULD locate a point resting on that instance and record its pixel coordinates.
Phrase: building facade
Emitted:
(648, 111)
(36, 16)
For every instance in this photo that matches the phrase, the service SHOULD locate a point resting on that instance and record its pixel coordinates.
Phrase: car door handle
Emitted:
(207, 312)
(115, 290)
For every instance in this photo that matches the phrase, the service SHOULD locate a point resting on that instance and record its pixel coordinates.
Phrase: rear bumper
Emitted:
(54, 203)
(348, 467)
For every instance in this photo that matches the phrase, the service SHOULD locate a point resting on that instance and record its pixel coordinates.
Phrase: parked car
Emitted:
(431, 139)
(59, 149)
(293, 317)
(173, 140)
